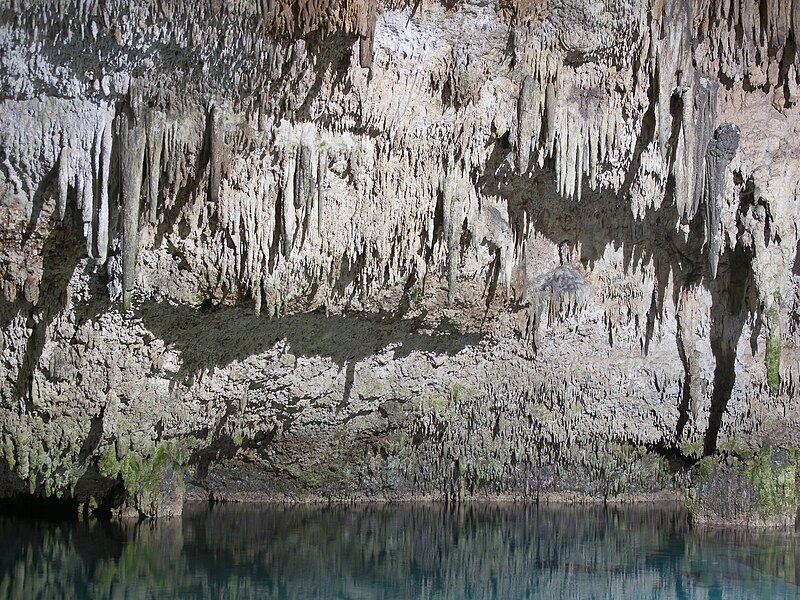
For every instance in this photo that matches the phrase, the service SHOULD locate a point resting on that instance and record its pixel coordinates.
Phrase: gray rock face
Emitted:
(335, 250)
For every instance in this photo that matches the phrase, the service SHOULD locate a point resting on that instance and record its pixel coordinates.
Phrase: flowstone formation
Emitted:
(341, 249)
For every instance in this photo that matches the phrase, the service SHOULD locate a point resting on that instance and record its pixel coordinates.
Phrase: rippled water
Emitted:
(397, 552)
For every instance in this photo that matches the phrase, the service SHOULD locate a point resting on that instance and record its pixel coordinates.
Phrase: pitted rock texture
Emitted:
(432, 249)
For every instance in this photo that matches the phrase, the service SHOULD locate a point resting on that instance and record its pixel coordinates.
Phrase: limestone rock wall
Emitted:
(346, 249)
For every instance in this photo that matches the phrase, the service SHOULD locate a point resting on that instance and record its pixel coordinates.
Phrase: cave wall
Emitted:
(435, 249)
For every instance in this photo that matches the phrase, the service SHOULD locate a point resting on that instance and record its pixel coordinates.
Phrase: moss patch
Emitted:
(692, 449)
(149, 478)
(774, 483)
(759, 491)
(107, 463)
(703, 470)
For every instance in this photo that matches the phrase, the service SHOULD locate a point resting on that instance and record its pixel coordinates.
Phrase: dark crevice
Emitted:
(215, 452)
(728, 316)
(93, 438)
(349, 380)
(686, 393)
(492, 280)
(678, 462)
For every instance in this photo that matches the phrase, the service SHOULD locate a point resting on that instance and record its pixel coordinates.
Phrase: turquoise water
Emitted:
(375, 552)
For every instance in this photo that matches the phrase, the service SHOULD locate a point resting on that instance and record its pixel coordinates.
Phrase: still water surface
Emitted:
(376, 552)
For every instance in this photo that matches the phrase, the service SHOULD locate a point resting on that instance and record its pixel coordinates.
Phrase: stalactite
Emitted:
(527, 119)
(288, 218)
(366, 30)
(721, 150)
(103, 200)
(64, 174)
(705, 116)
(322, 171)
(215, 153)
(155, 145)
(85, 190)
(674, 62)
(304, 185)
(550, 114)
(589, 110)
(132, 137)
(453, 217)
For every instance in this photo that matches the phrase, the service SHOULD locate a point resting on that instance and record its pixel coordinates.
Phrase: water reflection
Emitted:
(377, 552)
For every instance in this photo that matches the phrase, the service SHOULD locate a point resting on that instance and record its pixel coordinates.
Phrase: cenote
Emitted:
(397, 551)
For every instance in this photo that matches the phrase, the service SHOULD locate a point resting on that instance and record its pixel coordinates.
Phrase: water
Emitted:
(375, 552)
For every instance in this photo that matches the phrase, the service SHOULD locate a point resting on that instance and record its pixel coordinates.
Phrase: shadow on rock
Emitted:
(218, 338)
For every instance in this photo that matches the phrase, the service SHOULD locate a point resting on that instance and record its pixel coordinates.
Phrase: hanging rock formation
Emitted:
(342, 249)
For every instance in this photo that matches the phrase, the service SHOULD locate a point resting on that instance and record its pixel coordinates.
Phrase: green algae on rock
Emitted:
(759, 491)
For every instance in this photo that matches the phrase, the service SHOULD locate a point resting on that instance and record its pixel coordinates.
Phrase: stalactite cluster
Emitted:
(621, 172)
(587, 118)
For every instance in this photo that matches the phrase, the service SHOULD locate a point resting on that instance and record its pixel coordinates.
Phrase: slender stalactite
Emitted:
(721, 150)
(527, 123)
(155, 146)
(322, 173)
(215, 152)
(63, 181)
(132, 139)
(366, 31)
(289, 198)
(103, 207)
(697, 126)
(305, 186)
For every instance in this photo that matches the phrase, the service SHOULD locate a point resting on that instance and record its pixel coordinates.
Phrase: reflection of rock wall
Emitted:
(415, 175)
(420, 551)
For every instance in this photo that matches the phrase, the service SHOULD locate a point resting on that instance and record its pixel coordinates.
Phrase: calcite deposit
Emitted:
(340, 249)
